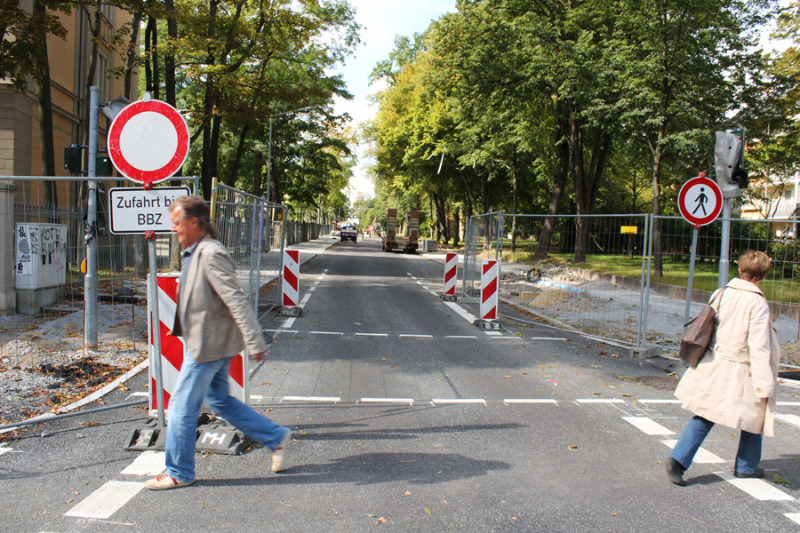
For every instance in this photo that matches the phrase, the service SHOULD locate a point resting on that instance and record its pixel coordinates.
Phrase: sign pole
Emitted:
(155, 358)
(692, 259)
(90, 280)
(724, 249)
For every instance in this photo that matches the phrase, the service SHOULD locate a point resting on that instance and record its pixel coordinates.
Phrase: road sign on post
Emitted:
(140, 210)
(148, 141)
(700, 201)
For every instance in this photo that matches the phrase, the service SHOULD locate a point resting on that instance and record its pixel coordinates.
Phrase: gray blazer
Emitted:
(213, 314)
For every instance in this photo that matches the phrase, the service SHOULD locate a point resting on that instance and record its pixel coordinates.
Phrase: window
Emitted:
(787, 194)
(103, 77)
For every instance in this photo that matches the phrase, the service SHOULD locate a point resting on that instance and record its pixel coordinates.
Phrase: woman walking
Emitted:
(735, 384)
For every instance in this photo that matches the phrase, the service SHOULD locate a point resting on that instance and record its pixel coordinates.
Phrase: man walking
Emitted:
(216, 322)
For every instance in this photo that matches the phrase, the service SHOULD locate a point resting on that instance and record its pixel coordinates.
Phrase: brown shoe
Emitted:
(165, 482)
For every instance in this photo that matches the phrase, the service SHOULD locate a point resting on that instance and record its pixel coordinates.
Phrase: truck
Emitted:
(348, 231)
(392, 241)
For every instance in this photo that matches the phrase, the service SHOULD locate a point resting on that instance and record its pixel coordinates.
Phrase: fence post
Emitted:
(8, 296)
(90, 281)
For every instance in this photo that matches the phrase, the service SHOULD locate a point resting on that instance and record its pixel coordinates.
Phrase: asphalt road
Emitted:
(408, 418)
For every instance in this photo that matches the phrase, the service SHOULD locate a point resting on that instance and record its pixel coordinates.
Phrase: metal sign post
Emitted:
(700, 202)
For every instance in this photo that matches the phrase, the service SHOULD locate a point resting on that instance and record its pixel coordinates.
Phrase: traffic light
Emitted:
(728, 158)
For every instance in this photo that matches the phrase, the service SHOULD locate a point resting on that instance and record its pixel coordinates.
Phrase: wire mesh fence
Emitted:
(625, 277)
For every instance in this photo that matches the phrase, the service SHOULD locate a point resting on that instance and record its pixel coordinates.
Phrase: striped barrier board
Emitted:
(172, 349)
(490, 271)
(450, 273)
(290, 289)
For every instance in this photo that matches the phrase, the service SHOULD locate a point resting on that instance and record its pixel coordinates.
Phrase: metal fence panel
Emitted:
(482, 240)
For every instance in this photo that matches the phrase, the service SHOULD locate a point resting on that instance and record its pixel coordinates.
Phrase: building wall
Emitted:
(69, 58)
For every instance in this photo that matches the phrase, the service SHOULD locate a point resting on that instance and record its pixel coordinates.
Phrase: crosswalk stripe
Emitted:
(757, 488)
(791, 419)
(149, 463)
(106, 500)
(703, 456)
(647, 425)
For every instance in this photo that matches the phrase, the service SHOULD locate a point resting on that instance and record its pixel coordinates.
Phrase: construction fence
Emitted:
(624, 277)
(42, 287)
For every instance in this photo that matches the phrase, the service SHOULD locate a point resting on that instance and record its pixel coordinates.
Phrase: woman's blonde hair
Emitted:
(753, 265)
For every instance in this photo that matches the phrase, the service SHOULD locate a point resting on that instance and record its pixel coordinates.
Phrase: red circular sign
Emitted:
(700, 201)
(148, 141)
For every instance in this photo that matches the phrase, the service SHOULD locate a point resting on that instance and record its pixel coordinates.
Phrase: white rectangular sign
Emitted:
(140, 210)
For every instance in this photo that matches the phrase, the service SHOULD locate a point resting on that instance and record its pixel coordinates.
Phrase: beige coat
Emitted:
(735, 383)
(213, 314)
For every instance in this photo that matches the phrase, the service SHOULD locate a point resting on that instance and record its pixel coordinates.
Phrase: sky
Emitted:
(382, 21)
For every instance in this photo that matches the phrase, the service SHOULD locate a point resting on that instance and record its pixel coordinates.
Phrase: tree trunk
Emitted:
(45, 115)
(562, 149)
(130, 55)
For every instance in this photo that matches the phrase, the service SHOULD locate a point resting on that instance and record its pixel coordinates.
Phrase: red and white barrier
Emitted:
(450, 273)
(290, 289)
(490, 272)
(172, 349)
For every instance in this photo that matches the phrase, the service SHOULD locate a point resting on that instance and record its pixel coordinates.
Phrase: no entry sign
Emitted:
(700, 201)
(148, 141)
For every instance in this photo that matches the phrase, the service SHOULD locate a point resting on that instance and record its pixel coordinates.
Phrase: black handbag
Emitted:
(698, 337)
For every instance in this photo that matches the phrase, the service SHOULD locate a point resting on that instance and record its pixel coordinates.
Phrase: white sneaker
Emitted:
(279, 453)
(165, 482)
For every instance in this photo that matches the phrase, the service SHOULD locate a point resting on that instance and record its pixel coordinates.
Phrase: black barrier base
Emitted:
(449, 297)
(488, 324)
(213, 435)
(290, 311)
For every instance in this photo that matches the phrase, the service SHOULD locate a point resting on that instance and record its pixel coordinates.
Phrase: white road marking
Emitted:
(659, 401)
(548, 338)
(288, 324)
(494, 333)
(647, 425)
(311, 289)
(281, 330)
(473, 337)
(326, 332)
(791, 419)
(149, 463)
(5, 449)
(321, 399)
(446, 401)
(757, 488)
(371, 334)
(413, 336)
(598, 400)
(256, 397)
(788, 404)
(409, 401)
(794, 517)
(469, 317)
(509, 401)
(305, 299)
(106, 500)
(702, 456)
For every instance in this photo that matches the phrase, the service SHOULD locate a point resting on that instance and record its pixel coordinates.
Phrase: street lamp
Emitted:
(269, 149)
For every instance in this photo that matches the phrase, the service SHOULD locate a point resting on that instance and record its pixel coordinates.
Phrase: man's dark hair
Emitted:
(195, 207)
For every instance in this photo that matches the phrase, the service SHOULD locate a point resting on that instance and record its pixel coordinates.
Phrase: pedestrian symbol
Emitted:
(700, 201)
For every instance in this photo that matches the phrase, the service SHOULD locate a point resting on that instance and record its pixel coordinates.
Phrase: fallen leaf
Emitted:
(408, 493)
(428, 511)
(380, 520)
(573, 448)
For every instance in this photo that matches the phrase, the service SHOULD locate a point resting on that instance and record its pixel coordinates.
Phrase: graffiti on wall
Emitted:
(41, 255)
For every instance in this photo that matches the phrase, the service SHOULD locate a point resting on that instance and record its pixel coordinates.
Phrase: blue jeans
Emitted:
(747, 457)
(208, 382)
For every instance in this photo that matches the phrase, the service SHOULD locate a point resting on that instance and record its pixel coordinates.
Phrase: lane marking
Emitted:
(5, 449)
(654, 401)
(504, 338)
(794, 517)
(757, 488)
(414, 336)
(149, 463)
(448, 401)
(466, 315)
(326, 332)
(371, 334)
(304, 301)
(288, 324)
(702, 456)
(408, 401)
(473, 337)
(319, 399)
(647, 425)
(494, 333)
(548, 338)
(256, 397)
(598, 400)
(281, 330)
(106, 500)
(791, 419)
(788, 404)
(510, 401)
